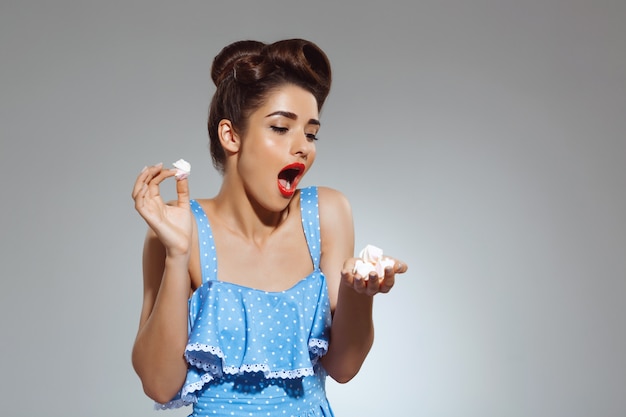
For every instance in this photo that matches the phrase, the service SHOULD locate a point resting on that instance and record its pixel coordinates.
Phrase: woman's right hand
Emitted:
(172, 222)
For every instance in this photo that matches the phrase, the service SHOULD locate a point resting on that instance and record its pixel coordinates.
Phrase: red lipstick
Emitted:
(288, 178)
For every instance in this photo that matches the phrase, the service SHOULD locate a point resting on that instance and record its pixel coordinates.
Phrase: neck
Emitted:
(243, 215)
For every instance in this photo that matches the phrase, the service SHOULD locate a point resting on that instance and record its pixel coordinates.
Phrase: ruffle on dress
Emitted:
(235, 330)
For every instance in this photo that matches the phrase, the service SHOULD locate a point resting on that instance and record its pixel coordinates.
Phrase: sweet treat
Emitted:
(372, 260)
(183, 168)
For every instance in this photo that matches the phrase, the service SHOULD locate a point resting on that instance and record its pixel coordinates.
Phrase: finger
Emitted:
(348, 264)
(156, 180)
(359, 283)
(399, 267)
(157, 174)
(347, 278)
(152, 171)
(147, 174)
(373, 283)
(182, 189)
(140, 197)
(388, 281)
(139, 182)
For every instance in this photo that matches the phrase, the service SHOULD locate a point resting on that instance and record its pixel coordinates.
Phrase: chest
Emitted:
(278, 264)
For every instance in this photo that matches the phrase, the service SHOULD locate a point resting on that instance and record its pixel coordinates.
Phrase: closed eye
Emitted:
(283, 130)
(278, 129)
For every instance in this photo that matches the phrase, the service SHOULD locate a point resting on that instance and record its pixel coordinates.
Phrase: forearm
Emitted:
(351, 336)
(159, 347)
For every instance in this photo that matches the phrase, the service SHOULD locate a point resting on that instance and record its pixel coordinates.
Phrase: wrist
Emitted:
(176, 259)
(349, 295)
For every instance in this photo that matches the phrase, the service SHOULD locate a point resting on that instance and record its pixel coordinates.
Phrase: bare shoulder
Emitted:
(335, 212)
(337, 235)
(332, 204)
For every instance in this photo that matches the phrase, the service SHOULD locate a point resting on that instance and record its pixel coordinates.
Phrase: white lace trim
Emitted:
(318, 347)
(213, 369)
(253, 367)
(187, 394)
(292, 374)
(196, 386)
(207, 366)
(260, 367)
(177, 403)
(201, 347)
(318, 344)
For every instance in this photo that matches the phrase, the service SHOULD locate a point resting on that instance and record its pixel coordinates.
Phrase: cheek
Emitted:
(311, 157)
(248, 164)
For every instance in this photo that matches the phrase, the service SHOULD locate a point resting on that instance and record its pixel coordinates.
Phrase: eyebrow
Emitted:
(292, 116)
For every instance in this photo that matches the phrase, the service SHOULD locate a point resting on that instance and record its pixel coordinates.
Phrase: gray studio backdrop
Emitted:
(481, 141)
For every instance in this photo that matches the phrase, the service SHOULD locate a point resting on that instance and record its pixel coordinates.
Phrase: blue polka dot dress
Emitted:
(253, 352)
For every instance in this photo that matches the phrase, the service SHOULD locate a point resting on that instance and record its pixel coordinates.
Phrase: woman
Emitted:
(258, 334)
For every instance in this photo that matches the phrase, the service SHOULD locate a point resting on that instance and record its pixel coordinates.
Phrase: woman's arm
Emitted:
(352, 331)
(161, 339)
(160, 343)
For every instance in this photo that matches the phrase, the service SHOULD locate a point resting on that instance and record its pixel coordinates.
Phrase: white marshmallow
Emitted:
(363, 268)
(382, 264)
(372, 259)
(183, 168)
(371, 254)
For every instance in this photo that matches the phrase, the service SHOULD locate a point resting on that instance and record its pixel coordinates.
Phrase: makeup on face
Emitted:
(289, 177)
(286, 126)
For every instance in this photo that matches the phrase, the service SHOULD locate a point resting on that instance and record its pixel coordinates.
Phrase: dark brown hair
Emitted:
(246, 72)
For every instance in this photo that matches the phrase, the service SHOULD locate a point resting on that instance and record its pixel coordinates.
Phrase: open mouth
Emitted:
(289, 177)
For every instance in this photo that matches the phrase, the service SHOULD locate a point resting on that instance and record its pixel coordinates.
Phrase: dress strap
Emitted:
(311, 222)
(206, 245)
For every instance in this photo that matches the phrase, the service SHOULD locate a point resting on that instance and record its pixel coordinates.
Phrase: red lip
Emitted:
(288, 178)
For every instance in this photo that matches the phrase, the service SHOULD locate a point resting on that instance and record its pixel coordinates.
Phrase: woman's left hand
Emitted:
(373, 283)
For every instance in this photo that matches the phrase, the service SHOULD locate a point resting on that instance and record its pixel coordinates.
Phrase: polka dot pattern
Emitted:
(253, 352)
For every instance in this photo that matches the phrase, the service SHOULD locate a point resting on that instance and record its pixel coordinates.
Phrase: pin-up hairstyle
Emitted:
(246, 72)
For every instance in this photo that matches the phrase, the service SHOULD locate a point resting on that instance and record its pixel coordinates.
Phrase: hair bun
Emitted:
(249, 61)
(304, 58)
(235, 54)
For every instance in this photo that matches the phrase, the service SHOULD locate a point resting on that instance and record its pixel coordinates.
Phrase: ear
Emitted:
(228, 137)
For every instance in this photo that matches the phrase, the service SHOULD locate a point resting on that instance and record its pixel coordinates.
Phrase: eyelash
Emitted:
(279, 129)
(282, 130)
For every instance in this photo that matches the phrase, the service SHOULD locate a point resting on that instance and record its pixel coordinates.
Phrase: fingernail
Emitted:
(144, 169)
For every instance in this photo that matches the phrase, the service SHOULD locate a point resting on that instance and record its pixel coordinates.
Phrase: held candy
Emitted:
(372, 259)
(183, 168)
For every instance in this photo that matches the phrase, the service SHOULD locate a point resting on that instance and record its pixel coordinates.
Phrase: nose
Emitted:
(303, 146)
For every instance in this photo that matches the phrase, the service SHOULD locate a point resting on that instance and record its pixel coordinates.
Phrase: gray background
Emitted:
(481, 141)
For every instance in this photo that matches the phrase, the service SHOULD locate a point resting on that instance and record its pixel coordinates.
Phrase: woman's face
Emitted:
(279, 145)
